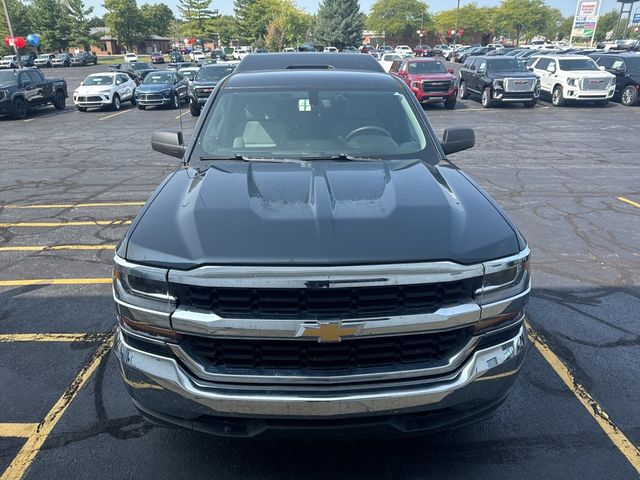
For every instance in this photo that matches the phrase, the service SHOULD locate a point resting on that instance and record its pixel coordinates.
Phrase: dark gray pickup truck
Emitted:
(23, 89)
(317, 265)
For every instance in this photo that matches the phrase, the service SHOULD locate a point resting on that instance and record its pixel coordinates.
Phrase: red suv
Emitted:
(423, 51)
(428, 79)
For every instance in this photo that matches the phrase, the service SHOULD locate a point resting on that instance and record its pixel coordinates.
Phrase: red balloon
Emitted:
(7, 41)
(20, 42)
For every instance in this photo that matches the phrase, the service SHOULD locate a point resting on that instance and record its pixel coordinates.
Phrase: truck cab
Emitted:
(429, 79)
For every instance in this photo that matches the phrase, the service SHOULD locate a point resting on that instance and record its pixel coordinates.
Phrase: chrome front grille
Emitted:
(519, 84)
(433, 86)
(594, 84)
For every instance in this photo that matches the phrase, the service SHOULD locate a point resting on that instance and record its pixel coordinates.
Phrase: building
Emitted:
(108, 45)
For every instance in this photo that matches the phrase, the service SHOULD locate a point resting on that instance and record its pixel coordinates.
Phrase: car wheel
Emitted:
(485, 100)
(557, 97)
(19, 109)
(176, 101)
(141, 107)
(59, 100)
(133, 100)
(462, 90)
(629, 96)
(531, 103)
(194, 109)
(450, 104)
(115, 103)
(82, 109)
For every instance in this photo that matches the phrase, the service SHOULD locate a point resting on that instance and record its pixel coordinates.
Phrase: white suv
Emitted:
(573, 77)
(403, 50)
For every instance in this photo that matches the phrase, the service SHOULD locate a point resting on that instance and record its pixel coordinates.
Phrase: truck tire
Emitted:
(19, 110)
(141, 107)
(485, 100)
(59, 100)
(462, 90)
(175, 102)
(194, 109)
(629, 96)
(450, 103)
(531, 103)
(557, 97)
(115, 103)
(133, 100)
(82, 109)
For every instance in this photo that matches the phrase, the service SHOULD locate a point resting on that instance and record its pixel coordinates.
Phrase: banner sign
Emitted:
(636, 18)
(584, 23)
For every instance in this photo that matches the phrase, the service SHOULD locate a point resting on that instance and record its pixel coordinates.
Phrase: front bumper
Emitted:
(424, 97)
(6, 105)
(151, 100)
(589, 95)
(92, 101)
(163, 390)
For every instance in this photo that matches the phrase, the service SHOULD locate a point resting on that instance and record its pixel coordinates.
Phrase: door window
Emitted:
(542, 64)
(35, 76)
(551, 68)
(24, 78)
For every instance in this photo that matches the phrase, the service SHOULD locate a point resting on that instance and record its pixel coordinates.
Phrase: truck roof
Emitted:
(308, 61)
(313, 79)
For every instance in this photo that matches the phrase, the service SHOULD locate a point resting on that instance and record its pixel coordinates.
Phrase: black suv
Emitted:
(21, 90)
(626, 67)
(499, 79)
(317, 263)
(204, 83)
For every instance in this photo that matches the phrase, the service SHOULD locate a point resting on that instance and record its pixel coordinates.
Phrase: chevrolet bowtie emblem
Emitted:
(328, 331)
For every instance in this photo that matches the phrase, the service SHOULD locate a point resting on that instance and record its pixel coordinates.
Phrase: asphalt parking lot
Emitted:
(70, 182)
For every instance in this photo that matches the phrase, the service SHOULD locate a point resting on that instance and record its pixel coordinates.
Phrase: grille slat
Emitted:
(436, 85)
(318, 303)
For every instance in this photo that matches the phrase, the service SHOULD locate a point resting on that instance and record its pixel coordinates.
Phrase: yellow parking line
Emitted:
(182, 114)
(51, 337)
(113, 115)
(45, 248)
(18, 430)
(619, 439)
(55, 281)
(27, 454)
(82, 223)
(78, 205)
(630, 202)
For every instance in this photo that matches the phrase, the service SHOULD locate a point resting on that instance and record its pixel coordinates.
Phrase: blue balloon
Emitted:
(33, 39)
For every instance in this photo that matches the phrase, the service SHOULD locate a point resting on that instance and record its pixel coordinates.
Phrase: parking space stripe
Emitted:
(182, 114)
(630, 202)
(48, 115)
(83, 223)
(51, 337)
(619, 439)
(46, 248)
(55, 281)
(17, 430)
(113, 115)
(27, 454)
(78, 205)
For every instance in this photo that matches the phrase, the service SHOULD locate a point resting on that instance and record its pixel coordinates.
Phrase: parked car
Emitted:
(83, 59)
(330, 49)
(218, 55)
(130, 57)
(458, 52)
(495, 46)
(181, 65)
(403, 50)
(319, 266)
(206, 80)
(626, 68)
(422, 51)
(387, 49)
(61, 60)
(475, 52)
(574, 78)
(189, 73)
(104, 90)
(157, 57)
(388, 59)
(27, 61)
(289, 50)
(136, 70)
(45, 60)
(197, 56)
(350, 49)
(162, 88)
(23, 89)
(499, 79)
(175, 57)
(440, 49)
(429, 80)
(9, 61)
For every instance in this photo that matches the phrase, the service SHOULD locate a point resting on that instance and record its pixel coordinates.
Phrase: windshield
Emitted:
(418, 68)
(99, 80)
(578, 64)
(214, 74)
(506, 65)
(141, 66)
(44, 57)
(62, 55)
(7, 77)
(158, 78)
(313, 124)
(188, 74)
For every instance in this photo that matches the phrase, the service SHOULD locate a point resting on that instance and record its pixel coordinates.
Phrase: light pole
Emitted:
(15, 48)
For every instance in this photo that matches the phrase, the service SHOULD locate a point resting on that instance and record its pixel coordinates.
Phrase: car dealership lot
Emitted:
(570, 179)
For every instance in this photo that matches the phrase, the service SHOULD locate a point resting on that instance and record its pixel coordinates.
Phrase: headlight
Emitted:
(499, 84)
(3, 94)
(572, 81)
(104, 92)
(414, 84)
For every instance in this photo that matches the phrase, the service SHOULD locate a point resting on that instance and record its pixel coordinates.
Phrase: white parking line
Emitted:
(182, 114)
(114, 115)
(62, 112)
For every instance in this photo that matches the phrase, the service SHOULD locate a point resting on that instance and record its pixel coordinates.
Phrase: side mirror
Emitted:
(450, 70)
(482, 71)
(456, 139)
(530, 69)
(169, 143)
(602, 68)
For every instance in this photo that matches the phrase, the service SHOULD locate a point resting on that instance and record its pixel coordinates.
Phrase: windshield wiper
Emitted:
(244, 158)
(346, 157)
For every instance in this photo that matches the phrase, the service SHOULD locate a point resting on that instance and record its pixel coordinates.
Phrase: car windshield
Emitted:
(7, 77)
(417, 68)
(44, 57)
(99, 80)
(578, 64)
(506, 65)
(158, 78)
(141, 66)
(188, 74)
(62, 56)
(214, 74)
(311, 124)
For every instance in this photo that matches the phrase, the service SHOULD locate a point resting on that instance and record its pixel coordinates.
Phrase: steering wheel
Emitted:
(358, 131)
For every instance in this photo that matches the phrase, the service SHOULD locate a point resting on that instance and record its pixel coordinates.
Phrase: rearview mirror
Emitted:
(456, 139)
(169, 143)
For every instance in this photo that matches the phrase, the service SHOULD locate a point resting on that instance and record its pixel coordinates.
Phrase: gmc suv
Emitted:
(318, 264)
(499, 80)
(626, 68)
(428, 79)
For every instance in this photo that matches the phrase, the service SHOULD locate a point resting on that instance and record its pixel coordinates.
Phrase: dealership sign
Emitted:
(586, 18)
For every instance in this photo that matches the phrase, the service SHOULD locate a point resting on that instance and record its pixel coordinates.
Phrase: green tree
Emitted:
(96, 22)
(606, 23)
(241, 9)
(223, 29)
(157, 17)
(288, 30)
(254, 16)
(195, 14)
(125, 22)
(477, 22)
(527, 18)
(564, 29)
(339, 23)
(78, 21)
(399, 19)
(49, 20)
(18, 11)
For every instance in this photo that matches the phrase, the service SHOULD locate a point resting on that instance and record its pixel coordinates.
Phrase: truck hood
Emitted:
(434, 77)
(512, 75)
(326, 213)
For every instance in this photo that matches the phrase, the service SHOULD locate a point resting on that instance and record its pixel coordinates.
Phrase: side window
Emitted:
(618, 64)
(606, 61)
(24, 78)
(482, 66)
(35, 76)
(178, 78)
(542, 64)
(403, 67)
(123, 78)
(552, 66)
(394, 66)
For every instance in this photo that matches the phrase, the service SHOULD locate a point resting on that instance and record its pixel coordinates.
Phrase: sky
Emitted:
(226, 6)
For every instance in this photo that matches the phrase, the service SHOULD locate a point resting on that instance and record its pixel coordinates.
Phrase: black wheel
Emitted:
(59, 100)
(194, 109)
(629, 96)
(141, 107)
(531, 103)
(462, 90)
(19, 109)
(115, 103)
(82, 109)
(485, 100)
(133, 100)
(175, 103)
(450, 104)
(557, 97)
